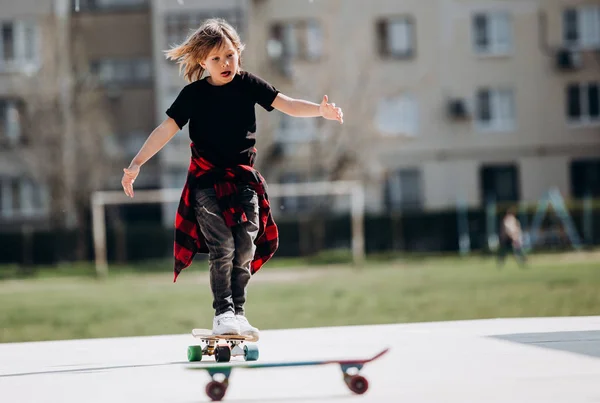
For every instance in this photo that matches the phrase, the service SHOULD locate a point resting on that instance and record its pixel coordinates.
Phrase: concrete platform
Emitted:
(502, 360)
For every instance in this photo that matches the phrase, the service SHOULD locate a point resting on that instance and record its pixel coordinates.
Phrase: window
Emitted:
(133, 142)
(123, 71)
(398, 115)
(404, 190)
(296, 40)
(581, 27)
(174, 178)
(18, 45)
(178, 26)
(396, 37)
(499, 183)
(21, 197)
(10, 122)
(492, 33)
(495, 109)
(585, 178)
(90, 5)
(293, 204)
(8, 42)
(294, 130)
(583, 102)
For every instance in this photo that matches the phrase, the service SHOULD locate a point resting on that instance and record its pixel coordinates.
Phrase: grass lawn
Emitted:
(130, 303)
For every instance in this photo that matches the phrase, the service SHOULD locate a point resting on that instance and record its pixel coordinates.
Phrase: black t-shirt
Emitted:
(222, 118)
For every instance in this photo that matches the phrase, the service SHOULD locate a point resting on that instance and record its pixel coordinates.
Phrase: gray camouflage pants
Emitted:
(230, 249)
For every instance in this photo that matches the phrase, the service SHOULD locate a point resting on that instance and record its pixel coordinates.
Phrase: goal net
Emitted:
(306, 204)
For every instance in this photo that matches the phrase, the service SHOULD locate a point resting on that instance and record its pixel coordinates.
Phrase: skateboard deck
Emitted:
(206, 334)
(357, 383)
(234, 345)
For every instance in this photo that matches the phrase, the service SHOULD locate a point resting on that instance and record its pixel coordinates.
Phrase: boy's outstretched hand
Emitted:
(129, 176)
(330, 111)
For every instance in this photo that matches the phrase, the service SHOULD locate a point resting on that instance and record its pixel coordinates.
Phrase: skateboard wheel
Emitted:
(357, 384)
(250, 352)
(222, 354)
(194, 353)
(215, 390)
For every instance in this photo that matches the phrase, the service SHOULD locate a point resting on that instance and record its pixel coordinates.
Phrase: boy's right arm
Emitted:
(157, 140)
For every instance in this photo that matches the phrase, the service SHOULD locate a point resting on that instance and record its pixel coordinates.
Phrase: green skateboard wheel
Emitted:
(194, 353)
(250, 352)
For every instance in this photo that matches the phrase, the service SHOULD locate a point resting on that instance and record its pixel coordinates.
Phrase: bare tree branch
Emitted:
(66, 122)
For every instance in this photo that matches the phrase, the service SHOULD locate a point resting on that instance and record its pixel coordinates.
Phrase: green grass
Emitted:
(57, 304)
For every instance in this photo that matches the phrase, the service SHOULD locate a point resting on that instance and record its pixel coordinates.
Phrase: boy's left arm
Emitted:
(307, 109)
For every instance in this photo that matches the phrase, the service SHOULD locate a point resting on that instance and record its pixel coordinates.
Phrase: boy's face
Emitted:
(222, 63)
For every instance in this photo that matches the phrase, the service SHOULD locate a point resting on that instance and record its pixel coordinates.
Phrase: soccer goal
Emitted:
(353, 189)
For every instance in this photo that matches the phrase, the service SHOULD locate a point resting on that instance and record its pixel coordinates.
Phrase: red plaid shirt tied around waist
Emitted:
(189, 239)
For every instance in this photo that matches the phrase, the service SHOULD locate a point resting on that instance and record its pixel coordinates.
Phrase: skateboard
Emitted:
(234, 345)
(357, 383)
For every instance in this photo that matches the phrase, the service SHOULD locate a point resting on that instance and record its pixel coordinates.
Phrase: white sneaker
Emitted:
(246, 328)
(226, 323)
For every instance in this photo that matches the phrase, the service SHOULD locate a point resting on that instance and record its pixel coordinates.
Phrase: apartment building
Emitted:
(444, 100)
(22, 24)
(117, 35)
(116, 38)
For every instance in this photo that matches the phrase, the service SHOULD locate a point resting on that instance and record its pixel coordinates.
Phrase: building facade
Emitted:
(113, 41)
(22, 24)
(117, 35)
(444, 100)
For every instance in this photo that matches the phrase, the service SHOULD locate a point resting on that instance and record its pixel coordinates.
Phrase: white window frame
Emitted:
(295, 131)
(27, 193)
(6, 209)
(400, 37)
(124, 71)
(11, 132)
(178, 25)
(398, 115)
(111, 4)
(585, 119)
(120, 3)
(498, 107)
(173, 177)
(499, 32)
(21, 62)
(300, 40)
(289, 40)
(314, 40)
(588, 27)
(397, 194)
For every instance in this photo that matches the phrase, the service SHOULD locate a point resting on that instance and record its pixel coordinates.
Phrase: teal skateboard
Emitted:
(357, 383)
(223, 347)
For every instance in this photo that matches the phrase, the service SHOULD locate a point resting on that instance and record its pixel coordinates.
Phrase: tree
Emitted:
(344, 73)
(66, 124)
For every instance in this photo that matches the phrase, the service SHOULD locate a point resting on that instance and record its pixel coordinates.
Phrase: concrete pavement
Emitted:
(547, 360)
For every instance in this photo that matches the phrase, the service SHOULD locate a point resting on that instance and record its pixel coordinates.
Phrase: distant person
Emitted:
(511, 237)
(224, 210)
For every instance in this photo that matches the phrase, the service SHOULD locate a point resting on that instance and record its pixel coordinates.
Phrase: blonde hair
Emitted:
(213, 33)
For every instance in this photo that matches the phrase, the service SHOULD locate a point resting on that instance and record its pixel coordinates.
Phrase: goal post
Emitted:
(354, 189)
